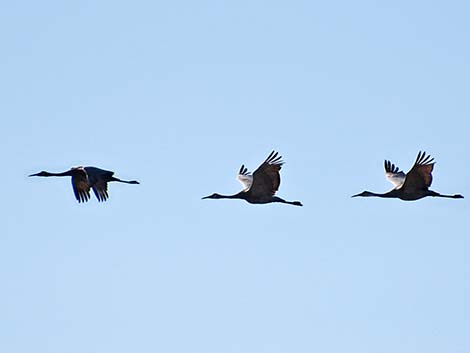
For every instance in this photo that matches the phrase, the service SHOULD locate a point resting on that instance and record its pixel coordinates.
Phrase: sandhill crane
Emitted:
(262, 185)
(84, 178)
(412, 186)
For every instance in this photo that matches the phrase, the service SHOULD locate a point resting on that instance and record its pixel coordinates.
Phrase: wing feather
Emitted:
(98, 179)
(80, 185)
(245, 178)
(266, 178)
(420, 175)
(393, 174)
(246, 181)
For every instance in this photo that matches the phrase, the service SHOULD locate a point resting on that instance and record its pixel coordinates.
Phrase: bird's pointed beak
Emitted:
(205, 197)
(356, 195)
(33, 175)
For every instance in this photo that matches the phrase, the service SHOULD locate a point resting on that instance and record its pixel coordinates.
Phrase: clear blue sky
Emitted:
(178, 94)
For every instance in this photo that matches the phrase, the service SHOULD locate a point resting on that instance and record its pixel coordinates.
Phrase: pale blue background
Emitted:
(179, 94)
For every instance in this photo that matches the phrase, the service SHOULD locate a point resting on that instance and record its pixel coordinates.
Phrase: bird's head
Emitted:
(42, 174)
(364, 194)
(213, 196)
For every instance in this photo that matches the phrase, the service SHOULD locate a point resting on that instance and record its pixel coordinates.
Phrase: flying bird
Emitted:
(84, 178)
(412, 186)
(262, 185)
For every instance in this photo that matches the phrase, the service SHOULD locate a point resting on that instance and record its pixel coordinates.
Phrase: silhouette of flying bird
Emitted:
(412, 186)
(262, 185)
(84, 178)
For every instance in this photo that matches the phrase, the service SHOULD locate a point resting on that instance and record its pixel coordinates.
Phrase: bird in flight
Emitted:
(260, 187)
(411, 186)
(84, 178)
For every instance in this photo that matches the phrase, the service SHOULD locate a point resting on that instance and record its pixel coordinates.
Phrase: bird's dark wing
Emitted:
(266, 178)
(80, 184)
(98, 179)
(100, 189)
(420, 177)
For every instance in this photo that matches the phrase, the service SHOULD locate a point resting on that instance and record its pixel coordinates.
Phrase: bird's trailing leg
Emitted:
(295, 203)
(124, 181)
(436, 194)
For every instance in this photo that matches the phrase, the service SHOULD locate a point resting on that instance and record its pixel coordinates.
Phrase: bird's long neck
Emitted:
(48, 174)
(389, 194)
(384, 195)
(240, 195)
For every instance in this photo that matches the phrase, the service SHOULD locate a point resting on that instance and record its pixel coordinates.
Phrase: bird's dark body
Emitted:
(106, 174)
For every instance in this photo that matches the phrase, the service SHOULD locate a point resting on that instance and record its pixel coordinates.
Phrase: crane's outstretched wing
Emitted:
(98, 179)
(393, 174)
(80, 185)
(420, 177)
(266, 178)
(100, 189)
(245, 178)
